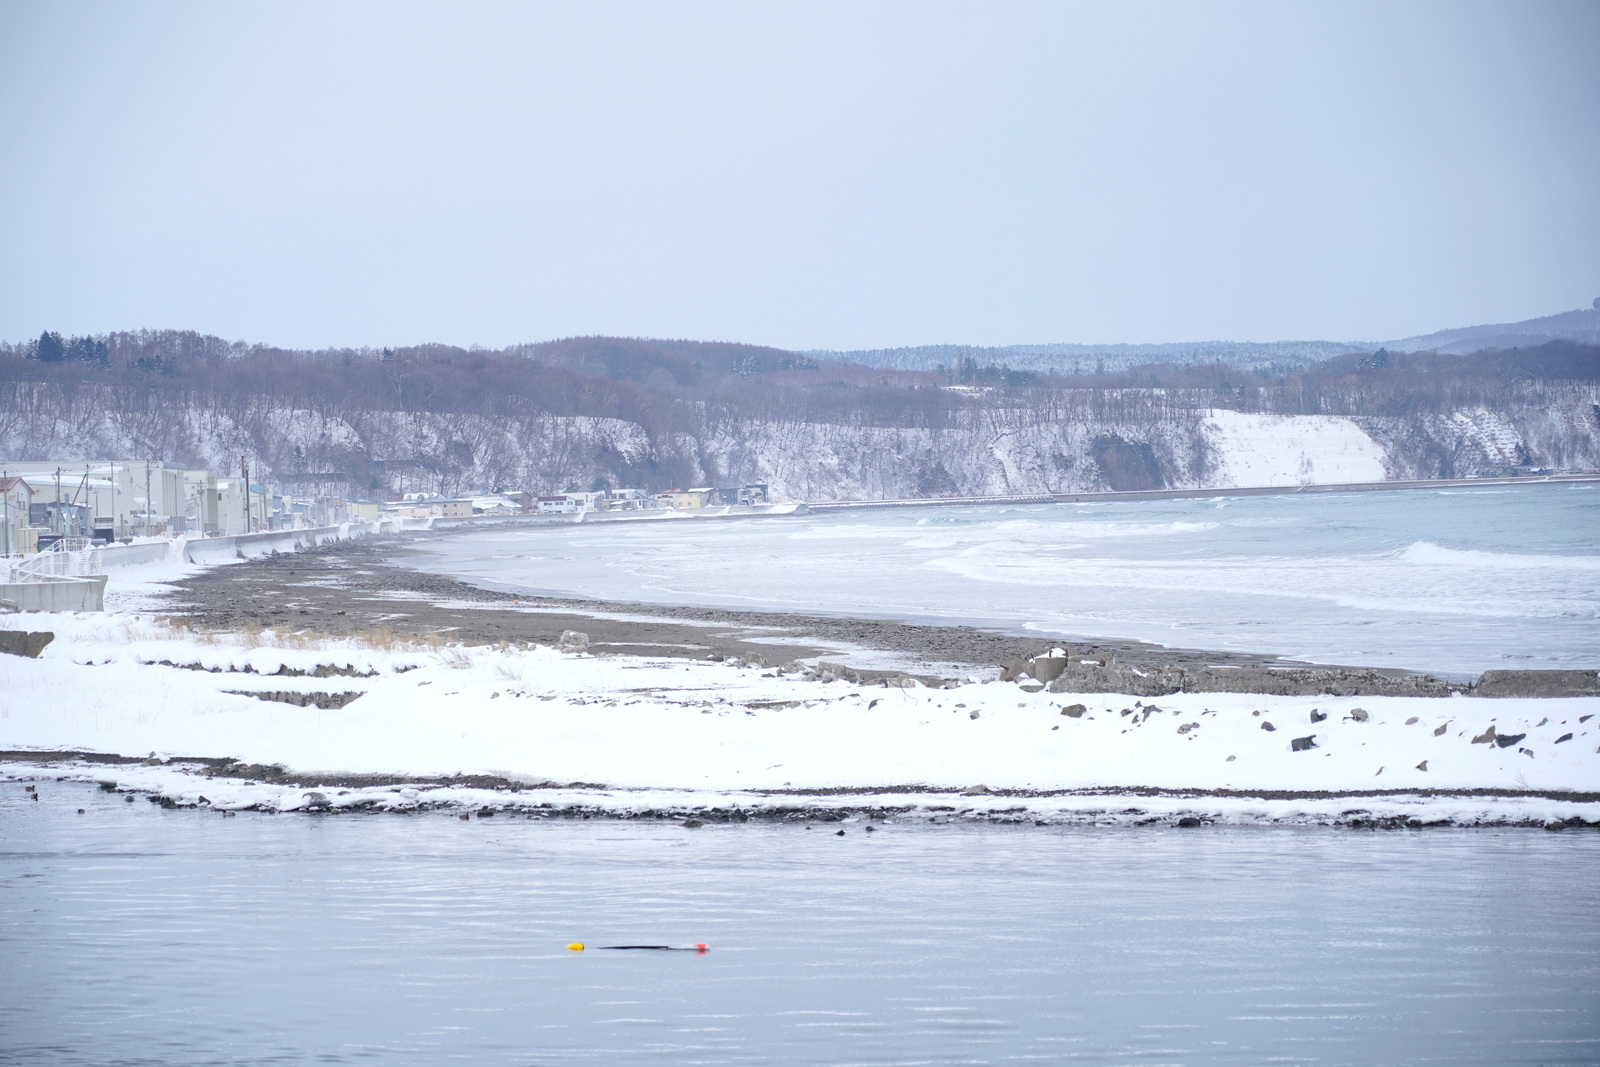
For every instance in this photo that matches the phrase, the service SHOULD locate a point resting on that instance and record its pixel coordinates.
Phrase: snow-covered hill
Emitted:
(1581, 325)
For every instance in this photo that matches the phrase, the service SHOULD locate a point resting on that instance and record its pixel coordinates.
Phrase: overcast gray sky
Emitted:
(799, 174)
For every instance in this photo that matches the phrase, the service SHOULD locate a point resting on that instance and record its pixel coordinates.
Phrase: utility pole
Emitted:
(245, 469)
(147, 498)
(88, 496)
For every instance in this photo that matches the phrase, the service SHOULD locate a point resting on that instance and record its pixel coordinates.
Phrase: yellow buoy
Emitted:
(576, 946)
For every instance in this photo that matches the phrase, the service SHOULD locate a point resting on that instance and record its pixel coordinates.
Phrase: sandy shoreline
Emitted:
(357, 586)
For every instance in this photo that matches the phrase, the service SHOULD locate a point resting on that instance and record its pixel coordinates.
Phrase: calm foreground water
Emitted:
(1453, 581)
(134, 935)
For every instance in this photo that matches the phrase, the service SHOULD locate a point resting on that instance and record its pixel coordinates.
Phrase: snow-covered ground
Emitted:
(675, 735)
(142, 586)
(1267, 449)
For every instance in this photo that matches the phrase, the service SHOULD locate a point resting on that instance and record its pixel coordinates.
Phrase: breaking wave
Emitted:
(1434, 555)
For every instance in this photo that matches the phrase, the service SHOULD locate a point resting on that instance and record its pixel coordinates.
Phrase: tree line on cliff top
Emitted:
(670, 386)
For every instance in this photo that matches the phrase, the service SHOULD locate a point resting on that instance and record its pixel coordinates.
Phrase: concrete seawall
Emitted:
(248, 546)
(52, 593)
(131, 555)
(75, 581)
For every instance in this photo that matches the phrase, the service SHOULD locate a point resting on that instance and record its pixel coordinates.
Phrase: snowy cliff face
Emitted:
(1475, 443)
(984, 452)
(996, 450)
(1264, 449)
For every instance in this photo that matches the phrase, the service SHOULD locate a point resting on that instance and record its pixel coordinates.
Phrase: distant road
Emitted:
(1192, 494)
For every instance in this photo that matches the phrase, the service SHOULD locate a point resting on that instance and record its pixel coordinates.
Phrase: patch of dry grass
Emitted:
(506, 659)
(252, 635)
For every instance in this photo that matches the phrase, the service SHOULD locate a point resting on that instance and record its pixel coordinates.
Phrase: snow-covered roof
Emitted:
(38, 480)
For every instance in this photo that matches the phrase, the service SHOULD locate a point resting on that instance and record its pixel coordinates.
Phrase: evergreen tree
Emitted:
(49, 348)
(89, 350)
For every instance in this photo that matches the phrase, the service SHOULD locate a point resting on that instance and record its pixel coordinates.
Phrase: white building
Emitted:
(16, 495)
(149, 497)
(629, 500)
(240, 510)
(129, 497)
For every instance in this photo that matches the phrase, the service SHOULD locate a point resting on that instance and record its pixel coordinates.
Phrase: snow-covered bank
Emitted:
(179, 786)
(654, 735)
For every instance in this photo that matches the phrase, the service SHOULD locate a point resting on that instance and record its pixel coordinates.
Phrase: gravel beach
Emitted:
(357, 586)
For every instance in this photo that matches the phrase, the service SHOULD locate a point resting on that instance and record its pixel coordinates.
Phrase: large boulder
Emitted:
(1089, 672)
(1314, 681)
(24, 643)
(1119, 678)
(1538, 684)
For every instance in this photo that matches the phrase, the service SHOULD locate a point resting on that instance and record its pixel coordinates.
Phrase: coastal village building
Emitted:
(16, 534)
(744, 494)
(595, 501)
(678, 499)
(75, 508)
(419, 507)
(201, 508)
(494, 504)
(241, 508)
(628, 500)
(600, 500)
(99, 499)
(118, 500)
(127, 497)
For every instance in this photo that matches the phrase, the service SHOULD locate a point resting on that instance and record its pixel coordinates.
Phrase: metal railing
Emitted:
(70, 557)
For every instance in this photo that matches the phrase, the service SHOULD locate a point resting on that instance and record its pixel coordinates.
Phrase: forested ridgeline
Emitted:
(657, 414)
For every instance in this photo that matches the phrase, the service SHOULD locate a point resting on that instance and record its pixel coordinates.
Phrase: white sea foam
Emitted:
(1130, 529)
(854, 531)
(932, 542)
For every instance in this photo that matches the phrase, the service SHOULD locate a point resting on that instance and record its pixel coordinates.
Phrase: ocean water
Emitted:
(132, 935)
(1453, 581)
